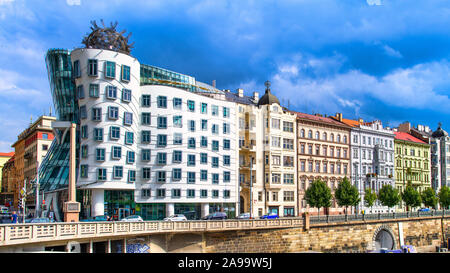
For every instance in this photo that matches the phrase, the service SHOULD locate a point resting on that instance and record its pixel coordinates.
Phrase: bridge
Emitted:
(297, 234)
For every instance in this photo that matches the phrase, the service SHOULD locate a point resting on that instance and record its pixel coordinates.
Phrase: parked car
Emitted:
(132, 218)
(271, 215)
(424, 209)
(4, 210)
(39, 220)
(244, 215)
(176, 217)
(99, 218)
(216, 216)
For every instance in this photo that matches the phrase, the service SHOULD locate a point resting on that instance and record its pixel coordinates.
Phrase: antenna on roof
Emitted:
(289, 104)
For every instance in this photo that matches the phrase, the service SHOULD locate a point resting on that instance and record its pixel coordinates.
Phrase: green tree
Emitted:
(318, 195)
(346, 194)
(411, 197)
(389, 196)
(444, 197)
(429, 198)
(370, 197)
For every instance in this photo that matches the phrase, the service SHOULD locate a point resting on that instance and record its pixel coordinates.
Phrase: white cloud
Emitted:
(374, 2)
(73, 2)
(392, 52)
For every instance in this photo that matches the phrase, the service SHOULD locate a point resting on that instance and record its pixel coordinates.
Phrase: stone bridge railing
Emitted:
(15, 234)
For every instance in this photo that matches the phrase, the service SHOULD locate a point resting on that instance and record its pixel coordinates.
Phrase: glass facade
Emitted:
(152, 211)
(228, 208)
(119, 203)
(192, 211)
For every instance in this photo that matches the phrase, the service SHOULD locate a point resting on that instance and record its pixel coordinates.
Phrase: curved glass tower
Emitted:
(54, 171)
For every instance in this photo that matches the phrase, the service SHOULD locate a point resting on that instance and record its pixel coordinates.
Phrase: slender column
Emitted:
(98, 202)
(170, 209)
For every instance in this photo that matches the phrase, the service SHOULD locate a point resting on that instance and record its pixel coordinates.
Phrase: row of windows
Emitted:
(160, 176)
(374, 140)
(189, 193)
(317, 169)
(324, 136)
(288, 196)
(324, 150)
(109, 70)
(161, 157)
(412, 152)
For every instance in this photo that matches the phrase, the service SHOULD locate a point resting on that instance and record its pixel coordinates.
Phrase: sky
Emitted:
(387, 60)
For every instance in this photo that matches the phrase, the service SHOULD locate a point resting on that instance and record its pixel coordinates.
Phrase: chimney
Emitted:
(240, 92)
(405, 127)
(318, 115)
(255, 96)
(360, 120)
(214, 83)
(339, 116)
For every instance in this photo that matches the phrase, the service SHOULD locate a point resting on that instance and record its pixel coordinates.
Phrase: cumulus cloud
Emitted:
(73, 2)
(374, 2)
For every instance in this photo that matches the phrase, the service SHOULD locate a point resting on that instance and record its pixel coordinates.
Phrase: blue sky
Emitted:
(374, 59)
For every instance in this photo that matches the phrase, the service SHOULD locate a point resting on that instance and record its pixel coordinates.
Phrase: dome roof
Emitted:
(439, 132)
(268, 98)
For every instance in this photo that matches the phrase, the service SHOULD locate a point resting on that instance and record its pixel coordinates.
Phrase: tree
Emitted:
(411, 197)
(318, 195)
(444, 197)
(346, 194)
(370, 197)
(389, 196)
(429, 198)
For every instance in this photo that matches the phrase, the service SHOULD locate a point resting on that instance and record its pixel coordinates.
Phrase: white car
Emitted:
(176, 217)
(132, 218)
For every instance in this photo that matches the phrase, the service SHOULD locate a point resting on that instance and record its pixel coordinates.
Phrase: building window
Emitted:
(162, 123)
(177, 139)
(288, 144)
(111, 92)
(226, 160)
(215, 129)
(76, 69)
(114, 132)
(146, 118)
(215, 193)
(92, 67)
(191, 160)
(203, 175)
(146, 193)
(116, 152)
(176, 174)
(145, 136)
(288, 196)
(178, 121)
(190, 193)
(161, 141)
(161, 158)
(125, 73)
(83, 113)
(96, 114)
(118, 172)
(130, 157)
(126, 95)
(226, 194)
(191, 177)
(146, 101)
(131, 176)
(110, 69)
(101, 174)
(276, 178)
(215, 178)
(84, 151)
(226, 144)
(44, 147)
(226, 128)
(204, 124)
(145, 154)
(128, 118)
(113, 112)
(214, 110)
(84, 171)
(84, 131)
(192, 125)
(161, 175)
(226, 176)
(176, 157)
(100, 154)
(146, 173)
(203, 158)
(160, 193)
(215, 162)
(226, 112)
(275, 123)
(288, 126)
(162, 102)
(204, 142)
(80, 92)
(288, 178)
(191, 105)
(176, 193)
(215, 145)
(204, 108)
(177, 102)
(204, 193)
(129, 138)
(94, 90)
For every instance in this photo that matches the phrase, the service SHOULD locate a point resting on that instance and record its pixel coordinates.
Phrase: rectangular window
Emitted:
(126, 95)
(226, 144)
(130, 157)
(160, 193)
(125, 73)
(161, 141)
(131, 176)
(226, 176)
(276, 178)
(100, 154)
(215, 110)
(190, 193)
(145, 154)
(178, 121)
(203, 193)
(215, 193)
(288, 196)
(203, 158)
(177, 103)
(192, 125)
(215, 129)
(92, 67)
(226, 112)
(288, 126)
(110, 69)
(191, 160)
(176, 157)
(226, 160)
(177, 139)
(84, 171)
(94, 90)
(145, 136)
(226, 128)
(215, 178)
(117, 172)
(191, 143)
(76, 69)
(84, 151)
(288, 178)
(204, 124)
(101, 174)
(161, 175)
(146, 173)
(114, 132)
(288, 144)
(288, 161)
(145, 100)
(146, 118)
(129, 138)
(162, 102)
(204, 108)
(215, 145)
(128, 118)
(275, 123)
(226, 193)
(203, 175)
(191, 177)
(204, 142)
(113, 112)
(191, 105)
(176, 174)
(161, 158)
(98, 134)
(111, 92)
(96, 114)
(84, 131)
(176, 193)
(162, 122)
(116, 152)
(83, 113)
(80, 92)
(215, 162)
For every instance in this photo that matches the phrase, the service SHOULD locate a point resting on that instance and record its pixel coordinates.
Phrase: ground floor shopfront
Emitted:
(119, 204)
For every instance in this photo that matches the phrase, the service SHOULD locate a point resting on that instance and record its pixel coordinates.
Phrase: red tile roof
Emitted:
(319, 119)
(7, 154)
(407, 137)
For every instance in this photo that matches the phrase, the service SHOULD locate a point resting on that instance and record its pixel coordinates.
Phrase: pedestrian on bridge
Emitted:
(14, 218)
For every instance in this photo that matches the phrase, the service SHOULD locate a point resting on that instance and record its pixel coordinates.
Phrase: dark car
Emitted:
(271, 215)
(99, 218)
(216, 216)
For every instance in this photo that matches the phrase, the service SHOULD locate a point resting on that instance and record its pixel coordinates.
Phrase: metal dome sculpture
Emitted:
(107, 38)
